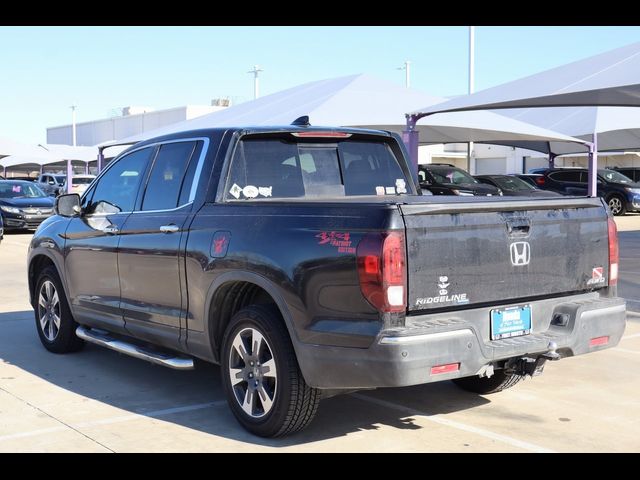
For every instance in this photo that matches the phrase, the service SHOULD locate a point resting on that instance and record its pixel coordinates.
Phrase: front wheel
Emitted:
(261, 377)
(498, 382)
(54, 322)
(617, 205)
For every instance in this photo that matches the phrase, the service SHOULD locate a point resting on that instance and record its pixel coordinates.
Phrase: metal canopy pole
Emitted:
(100, 160)
(410, 138)
(69, 175)
(593, 167)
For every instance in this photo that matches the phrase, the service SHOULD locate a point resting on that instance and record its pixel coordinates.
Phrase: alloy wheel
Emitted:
(252, 372)
(49, 310)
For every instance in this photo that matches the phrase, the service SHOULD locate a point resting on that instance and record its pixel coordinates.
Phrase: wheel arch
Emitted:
(37, 262)
(248, 286)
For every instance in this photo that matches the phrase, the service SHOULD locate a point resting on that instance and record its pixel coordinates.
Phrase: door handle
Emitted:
(111, 229)
(169, 228)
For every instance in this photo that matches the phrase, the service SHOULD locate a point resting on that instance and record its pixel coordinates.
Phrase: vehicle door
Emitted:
(151, 268)
(568, 182)
(91, 262)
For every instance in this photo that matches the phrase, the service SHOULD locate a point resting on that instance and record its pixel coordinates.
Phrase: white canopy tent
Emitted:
(617, 128)
(361, 101)
(608, 79)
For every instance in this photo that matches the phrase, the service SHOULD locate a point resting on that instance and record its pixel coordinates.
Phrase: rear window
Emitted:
(274, 168)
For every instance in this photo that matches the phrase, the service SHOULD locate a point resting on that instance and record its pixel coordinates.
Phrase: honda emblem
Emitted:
(520, 253)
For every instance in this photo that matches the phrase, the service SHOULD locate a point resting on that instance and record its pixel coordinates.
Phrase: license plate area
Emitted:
(510, 322)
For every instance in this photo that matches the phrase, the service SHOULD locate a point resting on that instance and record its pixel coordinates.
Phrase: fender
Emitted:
(250, 277)
(52, 252)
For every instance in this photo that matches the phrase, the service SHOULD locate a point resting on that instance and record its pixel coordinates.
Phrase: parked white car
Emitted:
(79, 183)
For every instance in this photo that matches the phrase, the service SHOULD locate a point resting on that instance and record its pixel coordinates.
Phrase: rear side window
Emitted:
(169, 176)
(274, 168)
(569, 176)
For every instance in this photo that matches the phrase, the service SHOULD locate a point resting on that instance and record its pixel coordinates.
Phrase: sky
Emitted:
(45, 70)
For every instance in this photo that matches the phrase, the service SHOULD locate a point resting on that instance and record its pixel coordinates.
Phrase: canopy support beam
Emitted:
(593, 167)
(69, 175)
(410, 138)
(100, 160)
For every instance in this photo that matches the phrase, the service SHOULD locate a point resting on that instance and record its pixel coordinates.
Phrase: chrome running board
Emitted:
(105, 339)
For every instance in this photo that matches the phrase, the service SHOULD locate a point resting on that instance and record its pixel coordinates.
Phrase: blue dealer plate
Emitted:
(510, 322)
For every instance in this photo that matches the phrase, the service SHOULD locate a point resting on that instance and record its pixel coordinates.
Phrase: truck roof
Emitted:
(256, 129)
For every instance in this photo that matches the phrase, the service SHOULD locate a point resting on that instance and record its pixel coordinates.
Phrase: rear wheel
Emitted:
(54, 323)
(617, 205)
(261, 377)
(485, 385)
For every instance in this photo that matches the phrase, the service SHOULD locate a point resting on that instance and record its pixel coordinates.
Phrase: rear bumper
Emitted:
(403, 357)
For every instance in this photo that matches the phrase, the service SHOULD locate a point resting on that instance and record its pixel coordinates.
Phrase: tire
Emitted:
(291, 404)
(617, 205)
(498, 382)
(51, 304)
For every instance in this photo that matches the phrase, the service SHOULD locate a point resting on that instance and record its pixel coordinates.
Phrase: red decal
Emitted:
(218, 244)
(597, 273)
(341, 240)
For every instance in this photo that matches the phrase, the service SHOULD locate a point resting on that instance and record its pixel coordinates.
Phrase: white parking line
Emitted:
(627, 337)
(108, 421)
(514, 442)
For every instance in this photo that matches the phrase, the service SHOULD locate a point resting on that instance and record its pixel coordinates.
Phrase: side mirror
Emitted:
(68, 205)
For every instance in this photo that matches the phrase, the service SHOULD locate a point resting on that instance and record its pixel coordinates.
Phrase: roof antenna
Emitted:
(302, 121)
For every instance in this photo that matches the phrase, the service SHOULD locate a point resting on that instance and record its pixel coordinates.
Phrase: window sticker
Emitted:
(391, 190)
(16, 189)
(235, 190)
(401, 186)
(380, 190)
(250, 191)
(265, 191)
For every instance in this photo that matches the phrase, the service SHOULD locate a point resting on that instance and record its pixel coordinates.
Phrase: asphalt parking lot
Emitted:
(100, 401)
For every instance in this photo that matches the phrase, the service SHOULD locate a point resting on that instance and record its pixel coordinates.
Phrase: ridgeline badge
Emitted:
(443, 297)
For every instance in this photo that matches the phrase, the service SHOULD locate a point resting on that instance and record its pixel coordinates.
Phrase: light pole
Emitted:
(73, 124)
(256, 88)
(407, 74)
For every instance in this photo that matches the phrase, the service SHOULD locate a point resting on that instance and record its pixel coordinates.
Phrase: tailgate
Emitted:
(489, 252)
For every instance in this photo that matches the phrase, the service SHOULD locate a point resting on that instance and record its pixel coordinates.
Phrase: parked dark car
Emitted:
(306, 263)
(538, 170)
(444, 179)
(621, 193)
(23, 205)
(530, 178)
(1, 229)
(514, 187)
(632, 172)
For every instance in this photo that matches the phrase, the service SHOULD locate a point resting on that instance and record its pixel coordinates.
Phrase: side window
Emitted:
(117, 189)
(567, 176)
(169, 179)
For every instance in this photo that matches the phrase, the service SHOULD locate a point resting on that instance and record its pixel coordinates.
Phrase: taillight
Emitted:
(613, 253)
(539, 180)
(382, 269)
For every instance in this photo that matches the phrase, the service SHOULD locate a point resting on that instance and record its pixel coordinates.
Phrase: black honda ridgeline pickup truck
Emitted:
(306, 262)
